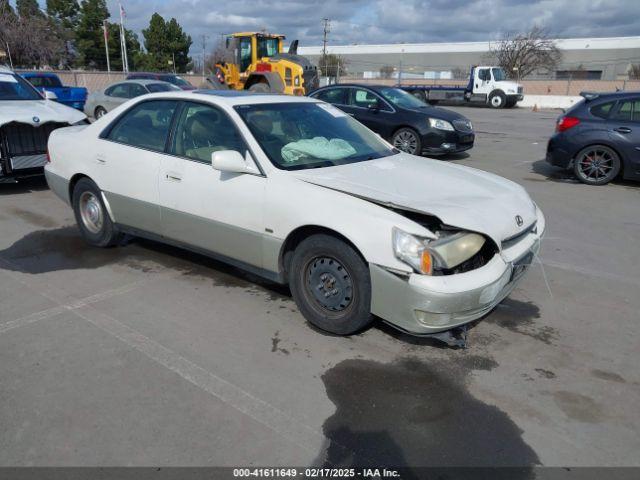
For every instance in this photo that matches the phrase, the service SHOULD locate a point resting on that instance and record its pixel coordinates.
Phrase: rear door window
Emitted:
(359, 97)
(624, 111)
(120, 90)
(135, 90)
(636, 110)
(146, 125)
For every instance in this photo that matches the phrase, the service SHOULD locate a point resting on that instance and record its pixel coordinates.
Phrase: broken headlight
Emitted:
(445, 253)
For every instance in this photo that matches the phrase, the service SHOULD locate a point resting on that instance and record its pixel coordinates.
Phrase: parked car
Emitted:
(599, 138)
(297, 191)
(406, 122)
(74, 97)
(171, 78)
(104, 101)
(27, 117)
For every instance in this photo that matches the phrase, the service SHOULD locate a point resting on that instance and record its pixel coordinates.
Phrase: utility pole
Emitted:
(204, 52)
(400, 68)
(327, 28)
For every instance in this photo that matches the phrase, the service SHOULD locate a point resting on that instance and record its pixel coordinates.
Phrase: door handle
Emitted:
(101, 159)
(174, 177)
(623, 130)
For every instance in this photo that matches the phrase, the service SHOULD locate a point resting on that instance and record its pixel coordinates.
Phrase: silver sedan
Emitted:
(104, 101)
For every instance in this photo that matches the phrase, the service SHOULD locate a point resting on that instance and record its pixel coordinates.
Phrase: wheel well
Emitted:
(301, 233)
(495, 92)
(404, 126)
(72, 184)
(98, 107)
(604, 144)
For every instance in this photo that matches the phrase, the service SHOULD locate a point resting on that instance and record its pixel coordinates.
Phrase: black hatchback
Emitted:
(397, 116)
(599, 138)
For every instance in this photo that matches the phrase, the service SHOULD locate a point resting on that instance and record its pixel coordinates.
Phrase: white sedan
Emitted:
(299, 192)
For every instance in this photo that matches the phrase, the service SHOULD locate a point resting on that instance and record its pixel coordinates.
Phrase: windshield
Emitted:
(400, 98)
(161, 87)
(498, 74)
(267, 47)
(14, 87)
(39, 82)
(297, 136)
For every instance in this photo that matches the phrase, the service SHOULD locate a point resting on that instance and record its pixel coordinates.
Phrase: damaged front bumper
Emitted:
(426, 305)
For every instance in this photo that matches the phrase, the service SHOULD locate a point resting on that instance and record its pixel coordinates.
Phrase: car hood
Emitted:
(440, 113)
(459, 196)
(37, 112)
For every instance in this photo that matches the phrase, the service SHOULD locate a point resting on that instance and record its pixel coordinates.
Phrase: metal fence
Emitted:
(95, 80)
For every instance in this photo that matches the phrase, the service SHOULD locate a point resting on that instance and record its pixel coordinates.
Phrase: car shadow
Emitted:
(449, 156)
(25, 185)
(560, 175)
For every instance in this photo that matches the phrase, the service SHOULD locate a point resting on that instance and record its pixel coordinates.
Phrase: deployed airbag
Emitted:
(317, 148)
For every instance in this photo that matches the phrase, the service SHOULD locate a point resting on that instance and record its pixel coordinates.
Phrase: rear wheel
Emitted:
(331, 285)
(497, 99)
(91, 215)
(260, 88)
(407, 140)
(99, 112)
(511, 102)
(596, 165)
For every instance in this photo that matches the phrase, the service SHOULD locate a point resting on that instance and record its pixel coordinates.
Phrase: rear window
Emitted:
(161, 87)
(603, 110)
(43, 82)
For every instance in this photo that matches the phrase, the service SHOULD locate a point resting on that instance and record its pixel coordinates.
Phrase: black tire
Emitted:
(260, 88)
(93, 220)
(99, 112)
(596, 165)
(511, 102)
(331, 285)
(419, 94)
(407, 140)
(497, 99)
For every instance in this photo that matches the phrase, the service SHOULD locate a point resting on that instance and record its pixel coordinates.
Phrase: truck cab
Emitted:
(489, 84)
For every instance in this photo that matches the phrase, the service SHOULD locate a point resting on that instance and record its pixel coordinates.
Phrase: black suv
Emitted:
(397, 116)
(599, 138)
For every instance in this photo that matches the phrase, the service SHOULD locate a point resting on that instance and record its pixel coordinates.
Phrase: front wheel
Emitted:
(92, 216)
(99, 112)
(260, 88)
(497, 99)
(331, 285)
(596, 165)
(407, 140)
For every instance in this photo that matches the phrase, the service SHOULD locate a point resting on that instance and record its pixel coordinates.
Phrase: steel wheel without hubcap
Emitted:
(496, 101)
(597, 165)
(407, 141)
(91, 212)
(329, 285)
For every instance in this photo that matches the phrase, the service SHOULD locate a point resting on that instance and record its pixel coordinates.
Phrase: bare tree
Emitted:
(386, 71)
(634, 71)
(522, 54)
(331, 65)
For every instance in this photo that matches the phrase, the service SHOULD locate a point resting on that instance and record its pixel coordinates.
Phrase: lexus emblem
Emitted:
(519, 220)
(36, 119)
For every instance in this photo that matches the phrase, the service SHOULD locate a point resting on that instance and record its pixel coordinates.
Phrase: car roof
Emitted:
(156, 74)
(598, 96)
(140, 81)
(233, 97)
(38, 74)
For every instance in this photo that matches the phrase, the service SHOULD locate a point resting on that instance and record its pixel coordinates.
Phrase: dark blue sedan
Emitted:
(599, 138)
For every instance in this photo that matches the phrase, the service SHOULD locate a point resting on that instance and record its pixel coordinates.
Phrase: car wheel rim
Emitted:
(496, 101)
(329, 284)
(100, 113)
(91, 212)
(406, 141)
(595, 165)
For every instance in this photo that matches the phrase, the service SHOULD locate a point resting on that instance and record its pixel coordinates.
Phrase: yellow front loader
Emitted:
(255, 61)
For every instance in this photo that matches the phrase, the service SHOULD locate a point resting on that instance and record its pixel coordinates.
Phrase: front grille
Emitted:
(463, 126)
(21, 139)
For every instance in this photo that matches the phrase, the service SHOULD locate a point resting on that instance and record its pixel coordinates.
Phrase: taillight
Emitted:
(48, 157)
(565, 123)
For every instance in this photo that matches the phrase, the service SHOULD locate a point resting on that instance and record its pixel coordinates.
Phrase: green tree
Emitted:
(164, 42)
(89, 34)
(64, 11)
(28, 8)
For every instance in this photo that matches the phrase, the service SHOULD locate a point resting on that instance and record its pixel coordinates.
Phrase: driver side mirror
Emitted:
(232, 161)
(50, 95)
